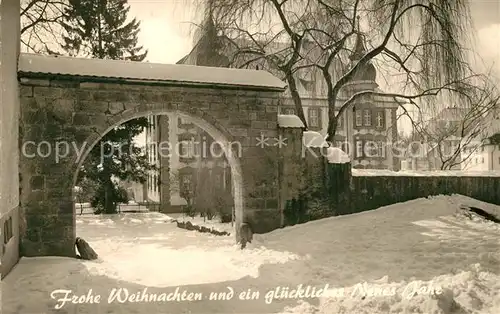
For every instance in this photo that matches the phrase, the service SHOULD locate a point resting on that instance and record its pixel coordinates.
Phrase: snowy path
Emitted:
(419, 239)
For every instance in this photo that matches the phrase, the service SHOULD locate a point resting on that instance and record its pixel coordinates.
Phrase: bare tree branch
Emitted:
(457, 133)
(420, 44)
(40, 23)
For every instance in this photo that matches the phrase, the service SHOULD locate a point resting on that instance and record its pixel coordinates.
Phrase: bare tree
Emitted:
(420, 44)
(84, 192)
(457, 132)
(40, 23)
(203, 196)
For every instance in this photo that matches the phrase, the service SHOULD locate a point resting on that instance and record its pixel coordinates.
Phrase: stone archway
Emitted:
(63, 110)
(219, 134)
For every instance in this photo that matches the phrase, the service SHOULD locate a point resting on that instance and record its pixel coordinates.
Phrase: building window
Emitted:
(380, 119)
(7, 230)
(344, 145)
(197, 148)
(381, 149)
(359, 118)
(371, 149)
(216, 149)
(314, 117)
(152, 153)
(340, 121)
(367, 118)
(218, 180)
(359, 149)
(482, 160)
(499, 160)
(287, 110)
(186, 181)
(184, 150)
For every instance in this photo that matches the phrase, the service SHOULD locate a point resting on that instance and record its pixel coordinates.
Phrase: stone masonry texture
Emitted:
(78, 113)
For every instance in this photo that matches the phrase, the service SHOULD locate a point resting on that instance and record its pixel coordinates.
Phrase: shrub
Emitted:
(189, 210)
(318, 209)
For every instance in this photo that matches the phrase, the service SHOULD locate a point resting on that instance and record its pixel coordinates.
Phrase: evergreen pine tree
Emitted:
(99, 29)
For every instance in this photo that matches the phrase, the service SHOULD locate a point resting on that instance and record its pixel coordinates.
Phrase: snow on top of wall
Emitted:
(289, 121)
(30, 63)
(336, 156)
(442, 173)
(313, 139)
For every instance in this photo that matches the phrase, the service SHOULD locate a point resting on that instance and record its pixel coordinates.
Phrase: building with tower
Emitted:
(370, 122)
(186, 157)
(366, 130)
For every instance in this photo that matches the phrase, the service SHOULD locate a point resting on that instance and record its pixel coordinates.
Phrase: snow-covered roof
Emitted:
(337, 156)
(143, 71)
(313, 139)
(486, 128)
(289, 121)
(491, 126)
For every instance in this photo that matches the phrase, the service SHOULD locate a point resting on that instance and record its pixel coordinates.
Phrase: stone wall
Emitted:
(164, 171)
(9, 127)
(290, 169)
(371, 192)
(310, 186)
(79, 112)
(331, 189)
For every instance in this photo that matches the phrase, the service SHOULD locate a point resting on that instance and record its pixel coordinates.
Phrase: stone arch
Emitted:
(75, 111)
(200, 118)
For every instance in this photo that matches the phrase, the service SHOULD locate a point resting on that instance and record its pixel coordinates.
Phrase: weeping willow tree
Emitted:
(41, 24)
(419, 46)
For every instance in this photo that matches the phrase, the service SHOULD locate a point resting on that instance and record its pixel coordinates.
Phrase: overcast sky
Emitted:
(166, 29)
(486, 15)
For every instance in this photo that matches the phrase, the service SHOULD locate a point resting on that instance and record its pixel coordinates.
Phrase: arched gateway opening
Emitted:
(68, 104)
(231, 149)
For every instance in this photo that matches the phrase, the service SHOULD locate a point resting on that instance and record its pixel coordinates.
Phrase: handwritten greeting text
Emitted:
(64, 297)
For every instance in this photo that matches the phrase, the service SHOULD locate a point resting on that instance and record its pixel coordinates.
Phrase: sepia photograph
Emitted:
(250, 156)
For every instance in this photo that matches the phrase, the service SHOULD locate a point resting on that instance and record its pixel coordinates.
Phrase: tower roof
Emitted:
(367, 72)
(359, 48)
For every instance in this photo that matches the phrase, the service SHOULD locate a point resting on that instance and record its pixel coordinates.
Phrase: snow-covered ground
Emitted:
(440, 173)
(214, 223)
(393, 249)
(156, 239)
(86, 209)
